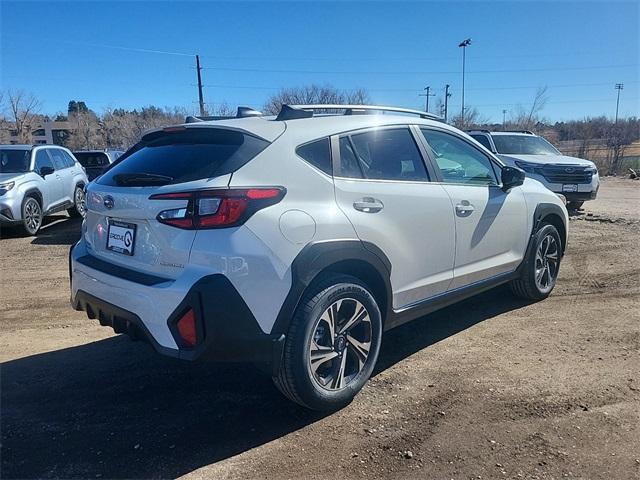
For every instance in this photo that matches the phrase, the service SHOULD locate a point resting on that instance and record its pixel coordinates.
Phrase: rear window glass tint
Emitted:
(89, 159)
(318, 154)
(184, 156)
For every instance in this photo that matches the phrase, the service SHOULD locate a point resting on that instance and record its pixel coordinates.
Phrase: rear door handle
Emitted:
(464, 208)
(368, 205)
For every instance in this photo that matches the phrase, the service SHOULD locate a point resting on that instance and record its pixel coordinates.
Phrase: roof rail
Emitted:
(290, 112)
(483, 130)
(528, 132)
(242, 112)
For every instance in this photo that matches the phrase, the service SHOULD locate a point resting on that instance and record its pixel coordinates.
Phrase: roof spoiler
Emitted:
(242, 112)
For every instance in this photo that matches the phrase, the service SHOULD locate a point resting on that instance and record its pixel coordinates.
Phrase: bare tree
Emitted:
(527, 119)
(85, 131)
(620, 136)
(472, 119)
(5, 136)
(23, 113)
(314, 94)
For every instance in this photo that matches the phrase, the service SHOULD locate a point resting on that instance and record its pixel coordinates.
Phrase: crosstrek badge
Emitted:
(121, 237)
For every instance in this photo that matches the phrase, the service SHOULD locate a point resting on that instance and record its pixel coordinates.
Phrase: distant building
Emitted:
(46, 133)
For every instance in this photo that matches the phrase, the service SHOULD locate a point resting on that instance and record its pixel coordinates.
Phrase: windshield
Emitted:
(523, 145)
(14, 161)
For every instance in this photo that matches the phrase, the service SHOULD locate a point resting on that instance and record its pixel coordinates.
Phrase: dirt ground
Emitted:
(490, 388)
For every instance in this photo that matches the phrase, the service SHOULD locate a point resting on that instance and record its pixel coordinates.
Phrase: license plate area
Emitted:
(121, 237)
(571, 187)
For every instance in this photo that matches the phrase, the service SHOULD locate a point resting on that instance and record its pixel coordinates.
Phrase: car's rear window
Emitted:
(92, 159)
(183, 156)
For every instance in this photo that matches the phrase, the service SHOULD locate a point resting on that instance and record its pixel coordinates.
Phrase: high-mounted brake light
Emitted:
(217, 208)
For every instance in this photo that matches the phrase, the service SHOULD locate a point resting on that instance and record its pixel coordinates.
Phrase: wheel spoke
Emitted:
(360, 349)
(360, 315)
(320, 356)
(337, 381)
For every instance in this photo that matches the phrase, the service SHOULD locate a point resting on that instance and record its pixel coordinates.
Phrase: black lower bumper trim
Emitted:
(580, 196)
(121, 320)
(227, 330)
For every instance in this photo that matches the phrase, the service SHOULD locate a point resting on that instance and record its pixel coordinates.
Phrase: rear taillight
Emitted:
(218, 208)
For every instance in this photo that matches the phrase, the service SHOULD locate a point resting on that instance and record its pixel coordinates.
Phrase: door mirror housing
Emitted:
(44, 171)
(511, 177)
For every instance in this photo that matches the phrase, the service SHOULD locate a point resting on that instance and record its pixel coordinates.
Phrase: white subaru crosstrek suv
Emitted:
(297, 240)
(575, 178)
(38, 180)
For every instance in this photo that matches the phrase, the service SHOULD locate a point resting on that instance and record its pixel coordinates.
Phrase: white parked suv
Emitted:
(36, 181)
(297, 240)
(575, 178)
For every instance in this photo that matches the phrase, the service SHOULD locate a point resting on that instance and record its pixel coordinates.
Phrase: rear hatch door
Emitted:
(121, 222)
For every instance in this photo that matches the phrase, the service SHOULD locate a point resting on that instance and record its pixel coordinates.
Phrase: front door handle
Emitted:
(464, 209)
(368, 205)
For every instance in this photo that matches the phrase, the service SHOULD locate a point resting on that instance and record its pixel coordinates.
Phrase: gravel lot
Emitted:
(490, 388)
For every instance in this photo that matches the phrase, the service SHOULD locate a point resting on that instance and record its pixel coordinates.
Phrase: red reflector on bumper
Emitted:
(187, 329)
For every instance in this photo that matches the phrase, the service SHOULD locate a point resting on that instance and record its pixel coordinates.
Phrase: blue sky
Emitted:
(100, 52)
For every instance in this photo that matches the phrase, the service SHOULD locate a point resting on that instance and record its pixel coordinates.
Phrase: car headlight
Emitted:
(592, 169)
(5, 187)
(529, 167)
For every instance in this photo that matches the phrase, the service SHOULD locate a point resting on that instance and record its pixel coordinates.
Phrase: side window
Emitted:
(387, 154)
(69, 161)
(42, 160)
(57, 158)
(459, 161)
(482, 140)
(318, 154)
(348, 161)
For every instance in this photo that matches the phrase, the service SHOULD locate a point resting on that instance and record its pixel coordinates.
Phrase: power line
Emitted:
(397, 72)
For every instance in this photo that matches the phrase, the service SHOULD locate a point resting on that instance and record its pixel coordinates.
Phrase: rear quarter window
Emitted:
(318, 154)
(186, 155)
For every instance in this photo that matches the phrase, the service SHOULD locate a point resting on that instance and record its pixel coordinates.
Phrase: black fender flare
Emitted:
(316, 257)
(31, 192)
(545, 209)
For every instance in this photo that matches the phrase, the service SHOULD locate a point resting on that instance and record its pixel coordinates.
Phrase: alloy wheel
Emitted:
(80, 202)
(340, 344)
(32, 215)
(547, 262)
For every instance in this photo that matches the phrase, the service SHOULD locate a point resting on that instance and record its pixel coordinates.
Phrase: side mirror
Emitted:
(44, 171)
(511, 177)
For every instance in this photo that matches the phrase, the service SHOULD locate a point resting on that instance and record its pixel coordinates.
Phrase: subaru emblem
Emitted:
(569, 169)
(108, 202)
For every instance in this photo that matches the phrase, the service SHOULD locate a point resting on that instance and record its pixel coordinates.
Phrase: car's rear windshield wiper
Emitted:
(141, 179)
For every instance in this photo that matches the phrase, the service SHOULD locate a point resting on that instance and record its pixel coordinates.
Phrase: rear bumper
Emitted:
(227, 330)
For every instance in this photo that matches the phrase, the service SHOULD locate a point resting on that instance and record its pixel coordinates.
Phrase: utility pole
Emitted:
(428, 94)
(619, 86)
(446, 101)
(464, 44)
(200, 98)
(504, 116)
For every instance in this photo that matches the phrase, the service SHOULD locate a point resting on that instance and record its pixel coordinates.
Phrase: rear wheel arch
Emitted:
(349, 257)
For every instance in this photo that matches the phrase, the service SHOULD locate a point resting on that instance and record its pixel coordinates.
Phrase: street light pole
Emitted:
(464, 44)
(446, 102)
(504, 116)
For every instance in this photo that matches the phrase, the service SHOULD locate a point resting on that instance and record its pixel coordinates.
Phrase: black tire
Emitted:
(531, 284)
(295, 379)
(31, 215)
(79, 209)
(574, 205)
